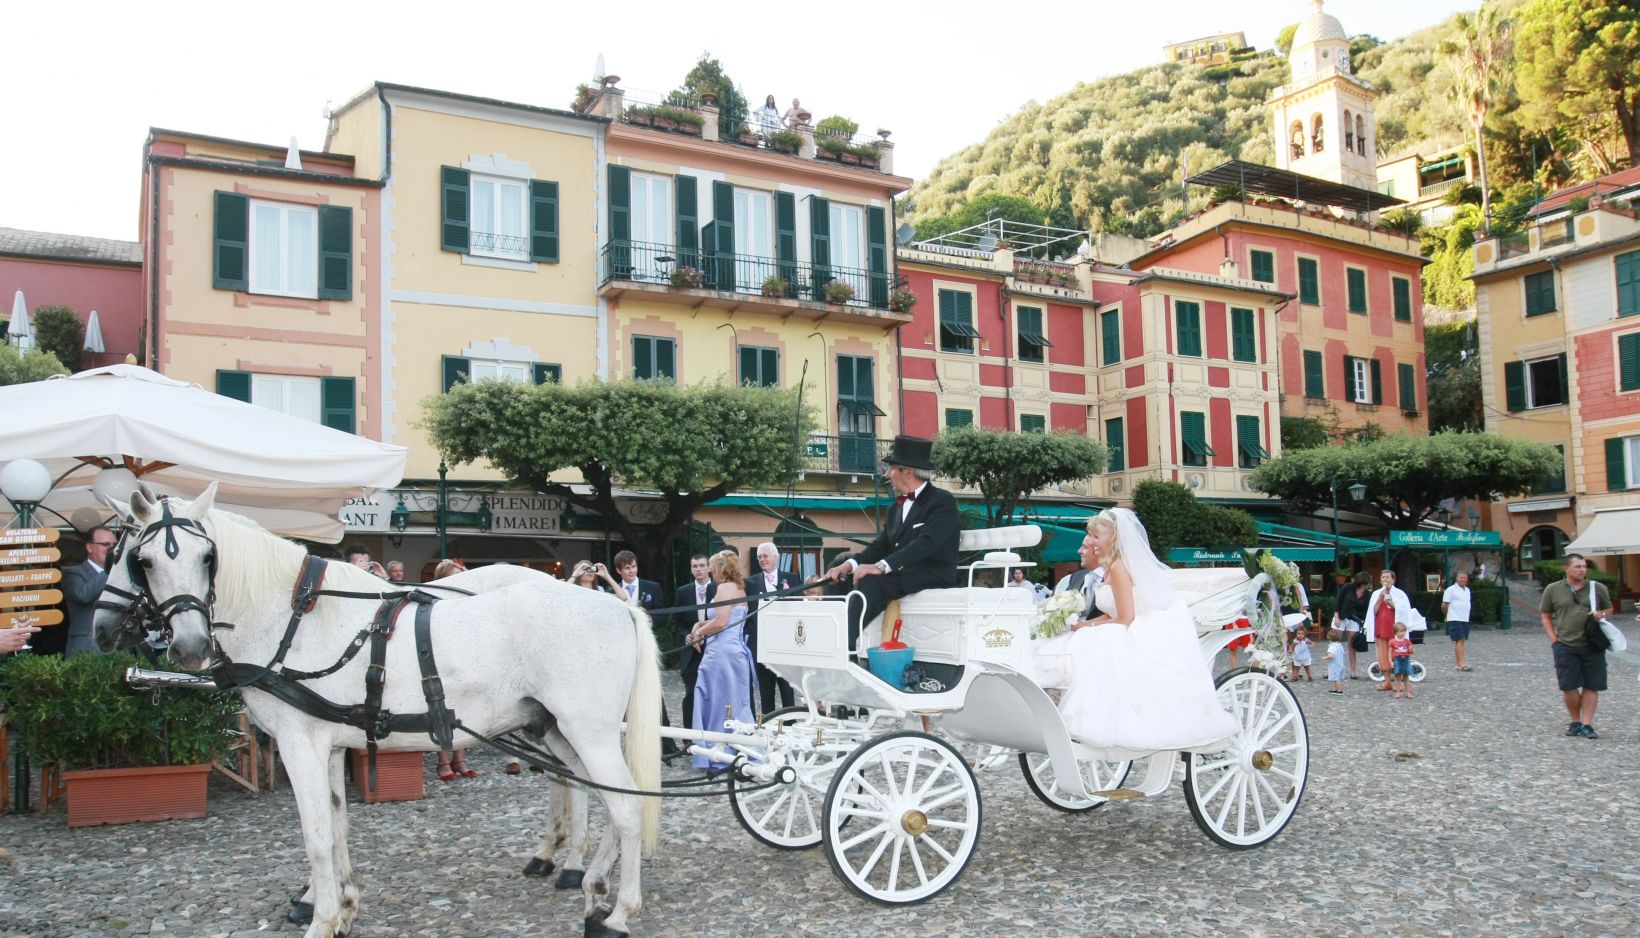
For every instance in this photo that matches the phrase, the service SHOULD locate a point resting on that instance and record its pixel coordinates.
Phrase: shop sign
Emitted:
(368, 515)
(525, 513)
(1445, 539)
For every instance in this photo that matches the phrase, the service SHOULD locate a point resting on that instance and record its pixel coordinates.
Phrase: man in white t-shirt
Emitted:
(1455, 603)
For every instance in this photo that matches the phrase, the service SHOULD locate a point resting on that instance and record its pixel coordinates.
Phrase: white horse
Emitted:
(568, 663)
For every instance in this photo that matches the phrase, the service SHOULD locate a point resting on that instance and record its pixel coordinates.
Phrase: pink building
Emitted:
(83, 274)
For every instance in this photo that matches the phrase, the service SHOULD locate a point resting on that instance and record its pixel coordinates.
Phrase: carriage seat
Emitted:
(938, 622)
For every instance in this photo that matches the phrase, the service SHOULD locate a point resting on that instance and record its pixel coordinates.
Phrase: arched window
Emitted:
(1318, 140)
(1349, 134)
(1541, 543)
(1296, 140)
(1361, 136)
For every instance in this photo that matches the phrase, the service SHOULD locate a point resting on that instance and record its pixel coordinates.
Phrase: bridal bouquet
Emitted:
(1056, 615)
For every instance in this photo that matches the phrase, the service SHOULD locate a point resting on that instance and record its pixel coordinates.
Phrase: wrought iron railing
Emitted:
(647, 262)
(857, 454)
(485, 242)
(1435, 188)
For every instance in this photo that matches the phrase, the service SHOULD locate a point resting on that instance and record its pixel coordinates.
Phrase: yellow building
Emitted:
(1206, 50)
(1424, 181)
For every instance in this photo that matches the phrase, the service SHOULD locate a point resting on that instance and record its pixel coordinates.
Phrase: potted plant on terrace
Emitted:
(687, 277)
(832, 148)
(784, 141)
(839, 291)
(126, 755)
(901, 300)
(776, 286)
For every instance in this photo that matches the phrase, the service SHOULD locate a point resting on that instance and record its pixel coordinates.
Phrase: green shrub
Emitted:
(1548, 571)
(59, 331)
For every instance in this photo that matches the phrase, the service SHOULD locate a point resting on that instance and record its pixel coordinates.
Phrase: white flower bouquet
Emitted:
(1056, 615)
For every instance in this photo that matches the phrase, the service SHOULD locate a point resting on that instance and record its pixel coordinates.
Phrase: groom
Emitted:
(917, 548)
(1085, 579)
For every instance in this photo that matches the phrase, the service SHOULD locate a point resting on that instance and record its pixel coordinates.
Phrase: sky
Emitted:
(84, 82)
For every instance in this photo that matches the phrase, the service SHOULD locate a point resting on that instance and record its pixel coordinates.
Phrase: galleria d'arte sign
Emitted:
(1445, 539)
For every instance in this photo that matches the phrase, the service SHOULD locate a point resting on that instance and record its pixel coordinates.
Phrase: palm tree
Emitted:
(1481, 55)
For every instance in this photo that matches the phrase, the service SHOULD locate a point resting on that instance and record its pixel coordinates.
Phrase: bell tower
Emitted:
(1322, 118)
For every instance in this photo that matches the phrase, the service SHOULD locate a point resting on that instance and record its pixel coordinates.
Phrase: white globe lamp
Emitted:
(25, 483)
(114, 484)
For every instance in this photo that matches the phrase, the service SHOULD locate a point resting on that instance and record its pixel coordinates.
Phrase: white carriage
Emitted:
(889, 790)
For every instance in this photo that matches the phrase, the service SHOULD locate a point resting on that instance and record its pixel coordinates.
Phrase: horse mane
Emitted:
(253, 561)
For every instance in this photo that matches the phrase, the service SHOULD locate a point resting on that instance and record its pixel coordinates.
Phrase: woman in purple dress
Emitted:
(727, 679)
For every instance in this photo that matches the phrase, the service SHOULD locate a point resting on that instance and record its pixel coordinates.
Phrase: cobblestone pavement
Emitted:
(1461, 812)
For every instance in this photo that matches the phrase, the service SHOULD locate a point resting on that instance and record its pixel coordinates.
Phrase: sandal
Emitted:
(1466, 668)
(445, 773)
(459, 765)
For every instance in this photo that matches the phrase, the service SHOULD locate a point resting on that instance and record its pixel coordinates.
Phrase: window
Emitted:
(1250, 442)
(857, 414)
(513, 218)
(1315, 381)
(461, 368)
(1116, 443)
(1110, 328)
(291, 396)
(1540, 293)
(1363, 383)
(1407, 381)
(1401, 289)
(1622, 463)
(957, 332)
(1264, 266)
(479, 369)
(1193, 434)
(1188, 315)
(327, 401)
(1555, 484)
(1033, 342)
(501, 211)
(284, 251)
(955, 418)
(754, 238)
(759, 366)
(1356, 278)
(1628, 362)
(848, 250)
(654, 357)
(1628, 283)
(1540, 382)
(652, 227)
(1033, 423)
(1243, 341)
(1318, 135)
(1309, 281)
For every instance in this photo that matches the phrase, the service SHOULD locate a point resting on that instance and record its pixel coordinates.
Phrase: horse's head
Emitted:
(173, 560)
(123, 614)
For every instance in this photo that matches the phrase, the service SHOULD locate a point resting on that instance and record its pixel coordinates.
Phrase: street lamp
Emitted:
(25, 483)
(1358, 492)
(399, 519)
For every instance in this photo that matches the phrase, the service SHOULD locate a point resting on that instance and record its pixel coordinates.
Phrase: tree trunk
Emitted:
(1628, 118)
(1479, 120)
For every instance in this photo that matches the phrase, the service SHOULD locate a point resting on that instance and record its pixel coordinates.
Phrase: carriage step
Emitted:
(1119, 794)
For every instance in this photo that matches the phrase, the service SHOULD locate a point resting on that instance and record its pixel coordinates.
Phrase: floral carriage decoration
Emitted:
(1270, 645)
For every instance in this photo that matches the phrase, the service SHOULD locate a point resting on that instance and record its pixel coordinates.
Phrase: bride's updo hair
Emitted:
(726, 564)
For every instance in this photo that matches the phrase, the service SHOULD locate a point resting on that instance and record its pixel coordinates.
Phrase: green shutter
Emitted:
(545, 372)
(877, 255)
(543, 221)
(1110, 323)
(666, 359)
(785, 239)
(1033, 423)
(748, 365)
(456, 369)
(1357, 280)
(234, 384)
(643, 357)
(1315, 380)
(620, 223)
(1349, 378)
(955, 418)
(335, 252)
(759, 366)
(1514, 385)
(1193, 436)
(456, 213)
(1540, 293)
(686, 206)
(1116, 443)
(820, 244)
(1309, 281)
(1617, 477)
(1628, 362)
(230, 260)
(1249, 445)
(1408, 381)
(337, 400)
(1377, 380)
(1565, 380)
(1628, 283)
(1264, 267)
(1402, 289)
(1244, 344)
(1189, 318)
(721, 273)
(770, 370)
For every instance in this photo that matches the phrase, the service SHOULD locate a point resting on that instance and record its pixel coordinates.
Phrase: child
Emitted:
(1400, 649)
(1335, 661)
(1301, 655)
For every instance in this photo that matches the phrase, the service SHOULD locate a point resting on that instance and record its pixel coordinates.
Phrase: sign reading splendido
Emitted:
(17, 537)
(28, 617)
(1445, 539)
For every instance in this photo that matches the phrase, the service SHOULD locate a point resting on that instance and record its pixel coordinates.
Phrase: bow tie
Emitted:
(905, 498)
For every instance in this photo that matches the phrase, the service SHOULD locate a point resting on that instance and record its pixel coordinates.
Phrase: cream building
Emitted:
(1323, 118)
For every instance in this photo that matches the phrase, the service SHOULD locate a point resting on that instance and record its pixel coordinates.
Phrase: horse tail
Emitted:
(643, 727)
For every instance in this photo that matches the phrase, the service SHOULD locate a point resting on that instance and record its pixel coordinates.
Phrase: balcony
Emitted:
(843, 455)
(1555, 233)
(1515, 245)
(1430, 190)
(746, 281)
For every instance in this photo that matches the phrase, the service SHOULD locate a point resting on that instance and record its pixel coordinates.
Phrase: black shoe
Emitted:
(1587, 732)
(1574, 729)
(669, 748)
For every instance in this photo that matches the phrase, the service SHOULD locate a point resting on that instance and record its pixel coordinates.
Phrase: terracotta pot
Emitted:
(693, 129)
(150, 793)
(398, 775)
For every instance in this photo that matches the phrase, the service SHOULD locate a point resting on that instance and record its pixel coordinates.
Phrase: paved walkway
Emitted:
(1461, 812)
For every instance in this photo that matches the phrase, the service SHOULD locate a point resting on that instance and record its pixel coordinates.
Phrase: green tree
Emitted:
(1578, 66)
(1284, 39)
(692, 444)
(1304, 433)
(1407, 477)
(1007, 467)
(708, 77)
(1174, 518)
(1452, 350)
(58, 331)
(1451, 260)
(991, 205)
(32, 365)
(1480, 54)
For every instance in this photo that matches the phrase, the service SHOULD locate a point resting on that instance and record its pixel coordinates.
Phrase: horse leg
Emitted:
(570, 821)
(344, 860)
(306, 766)
(606, 766)
(541, 864)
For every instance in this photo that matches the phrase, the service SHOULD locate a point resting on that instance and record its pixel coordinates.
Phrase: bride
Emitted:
(1136, 679)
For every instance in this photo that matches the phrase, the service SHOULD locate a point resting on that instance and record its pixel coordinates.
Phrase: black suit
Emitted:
(689, 661)
(649, 593)
(920, 550)
(756, 584)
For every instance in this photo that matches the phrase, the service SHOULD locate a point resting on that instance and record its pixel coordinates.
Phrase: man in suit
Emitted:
(82, 584)
(917, 548)
(769, 578)
(643, 593)
(698, 592)
(1085, 579)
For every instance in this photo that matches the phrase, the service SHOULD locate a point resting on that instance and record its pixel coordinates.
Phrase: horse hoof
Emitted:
(538, 867)
(301, 913)
(570, 879)
(596, 928)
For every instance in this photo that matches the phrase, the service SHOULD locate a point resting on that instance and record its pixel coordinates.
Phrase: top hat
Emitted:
(912, 451)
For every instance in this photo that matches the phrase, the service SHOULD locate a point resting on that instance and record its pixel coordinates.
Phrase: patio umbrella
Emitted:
(20, 331)
(93, 334)
(179, 438)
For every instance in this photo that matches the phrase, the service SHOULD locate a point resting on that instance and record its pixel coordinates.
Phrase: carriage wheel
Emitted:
(1243, 796)
(1097, 775)
(1375, 673)
(1417, 672)
(912, 809)
(786, 817)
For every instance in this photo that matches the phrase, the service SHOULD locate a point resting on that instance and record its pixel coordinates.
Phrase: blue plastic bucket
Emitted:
(889, 664)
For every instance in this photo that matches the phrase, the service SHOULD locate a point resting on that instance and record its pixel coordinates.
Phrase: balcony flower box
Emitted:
(838, 291)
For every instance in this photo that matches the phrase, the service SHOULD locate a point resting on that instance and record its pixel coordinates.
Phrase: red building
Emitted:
(83, 274)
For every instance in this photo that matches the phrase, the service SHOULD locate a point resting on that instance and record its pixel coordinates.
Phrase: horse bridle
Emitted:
(138, 608)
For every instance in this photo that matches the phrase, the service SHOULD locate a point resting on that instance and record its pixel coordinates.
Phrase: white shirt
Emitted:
(1456, 598)
(905, 512)
(631, 587)
(701, 615)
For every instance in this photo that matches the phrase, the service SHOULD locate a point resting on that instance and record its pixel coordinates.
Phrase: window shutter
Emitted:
(1188, 318)
(1628, 362)
(1358, 289)
(1244, 347)
(1116, 443)
(820, 244)
(230, 263)
(785, 239)
(234, 384)
(643, 357)
(955, 417)
(1377, 380)
(337, 399)
(1315, 380)
(335, 252)
(1565, 382)
(769, 369)
(456, 213)
(665, 359)
(1110, 323)
(1403, 298)
(620, 223)
(1033, 423)
(877, 255)
(1514, 384)
(1408, 386)
(545, 372)
(543, 221)
(456, 369)
(723, 230)
(686, 205)
(865, 388)
(1617, 476)
(748, 365)
(1264, 267)
(1309, 281)
(1628, 283)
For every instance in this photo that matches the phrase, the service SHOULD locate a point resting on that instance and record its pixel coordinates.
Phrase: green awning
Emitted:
(1443, 164)
(1308, 538)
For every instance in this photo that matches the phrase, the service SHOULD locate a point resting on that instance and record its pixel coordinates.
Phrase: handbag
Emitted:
(1598, 633)
(1358, 638)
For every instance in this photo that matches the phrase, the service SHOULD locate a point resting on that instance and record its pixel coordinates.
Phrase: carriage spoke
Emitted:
(779, 800)
(894, 865)
(1275, 798)
(948, 824)
(1253, 791)
(863, 836)
(937, 848)
(917, 863)
(939, 772)
(944, 798)
(886, 761)
(1229, 800)
(1241, 806)
(876, 855)
(1215, 766)
(1224, 779)
(1267, 735)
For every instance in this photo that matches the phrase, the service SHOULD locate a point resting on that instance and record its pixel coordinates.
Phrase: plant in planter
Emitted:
(838, 291)
(784, 141)
(687, 277)
(775, 286)
(641, 115)
(585, 94)
(748, 137)
(901, 300)
(114, 742)
(831, 148)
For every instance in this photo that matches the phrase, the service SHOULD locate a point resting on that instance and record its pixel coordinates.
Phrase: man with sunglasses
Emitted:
(82, 584)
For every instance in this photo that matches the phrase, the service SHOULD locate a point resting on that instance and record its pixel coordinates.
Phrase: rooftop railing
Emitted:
(769, 277)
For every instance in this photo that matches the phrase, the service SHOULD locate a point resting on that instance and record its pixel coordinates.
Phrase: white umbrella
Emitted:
(180, 438)
(20, 330)
(93, 334)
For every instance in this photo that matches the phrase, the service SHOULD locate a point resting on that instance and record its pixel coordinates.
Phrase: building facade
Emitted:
(88, 275)
(1323, 116)
(1206, 50)
(1425, 181)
